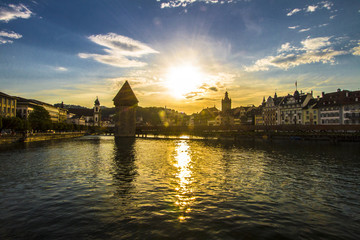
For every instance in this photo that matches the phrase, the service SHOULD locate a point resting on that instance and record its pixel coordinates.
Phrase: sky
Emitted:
(182, 54)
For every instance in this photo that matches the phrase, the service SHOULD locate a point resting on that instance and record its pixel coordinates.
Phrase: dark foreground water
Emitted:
(99, 188)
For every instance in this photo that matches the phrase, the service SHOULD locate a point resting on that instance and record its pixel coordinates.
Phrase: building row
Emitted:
(337, 108)
(12, 106)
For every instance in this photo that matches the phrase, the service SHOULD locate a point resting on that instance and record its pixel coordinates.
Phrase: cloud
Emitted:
(293, 12)
(313, 50)
(12, 12)
(304, 29)
(356, 50)
(5, 37)
(326, 4)
(120, 51)
(312, 44)
(286, 47)
(293, 27)
(213, 89)
(185, 3)
(61, 69)
(311, 8)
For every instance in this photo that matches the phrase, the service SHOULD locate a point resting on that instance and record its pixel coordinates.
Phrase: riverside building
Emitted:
(7, 105)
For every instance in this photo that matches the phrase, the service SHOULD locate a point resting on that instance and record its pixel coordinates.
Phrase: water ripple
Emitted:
(101, 188)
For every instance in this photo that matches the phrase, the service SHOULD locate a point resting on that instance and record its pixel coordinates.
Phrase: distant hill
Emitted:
(69, 106)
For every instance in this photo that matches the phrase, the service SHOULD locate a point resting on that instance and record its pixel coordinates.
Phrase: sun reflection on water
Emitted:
(184, 179)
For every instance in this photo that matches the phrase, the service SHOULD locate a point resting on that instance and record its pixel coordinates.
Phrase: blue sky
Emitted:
(183, 54)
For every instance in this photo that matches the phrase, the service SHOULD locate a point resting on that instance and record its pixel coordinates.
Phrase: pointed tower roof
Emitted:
(125, 97)
(97, 102)
(226, 96)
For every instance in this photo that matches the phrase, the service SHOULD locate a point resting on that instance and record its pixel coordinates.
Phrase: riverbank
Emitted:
(39, 137)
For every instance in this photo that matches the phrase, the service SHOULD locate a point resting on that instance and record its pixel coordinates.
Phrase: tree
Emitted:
(40, 119)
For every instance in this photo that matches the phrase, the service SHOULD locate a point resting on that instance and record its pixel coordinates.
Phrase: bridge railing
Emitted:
(246, 128)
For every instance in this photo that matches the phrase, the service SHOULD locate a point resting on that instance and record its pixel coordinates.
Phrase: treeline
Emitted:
(38, 120)
(154, 116)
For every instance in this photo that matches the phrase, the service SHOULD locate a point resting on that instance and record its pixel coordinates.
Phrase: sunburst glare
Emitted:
(183, 80)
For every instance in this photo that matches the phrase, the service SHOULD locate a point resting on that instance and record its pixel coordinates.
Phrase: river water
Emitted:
(102, 188)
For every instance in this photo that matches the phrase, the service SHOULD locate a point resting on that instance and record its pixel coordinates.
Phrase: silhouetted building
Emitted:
(226, 104)
(125, 103)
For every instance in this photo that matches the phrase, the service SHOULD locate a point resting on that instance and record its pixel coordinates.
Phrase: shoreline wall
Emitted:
(38, 137)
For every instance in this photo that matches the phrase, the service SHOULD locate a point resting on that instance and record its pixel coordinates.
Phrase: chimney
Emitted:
(323, 93)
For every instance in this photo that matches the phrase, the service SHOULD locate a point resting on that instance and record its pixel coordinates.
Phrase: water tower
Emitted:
(125, 103)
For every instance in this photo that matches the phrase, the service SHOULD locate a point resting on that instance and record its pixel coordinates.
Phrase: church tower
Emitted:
(97, 113)
(125, 103)
(226, 103)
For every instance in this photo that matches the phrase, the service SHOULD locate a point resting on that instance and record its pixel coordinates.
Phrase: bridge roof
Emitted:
(125, 97)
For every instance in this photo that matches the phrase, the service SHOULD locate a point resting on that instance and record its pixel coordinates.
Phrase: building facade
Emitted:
(7, 105)
(291, 108)
(310, 113)
(26, 106)
(271, 110)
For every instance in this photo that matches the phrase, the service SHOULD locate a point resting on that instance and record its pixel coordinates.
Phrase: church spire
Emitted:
(226, 103)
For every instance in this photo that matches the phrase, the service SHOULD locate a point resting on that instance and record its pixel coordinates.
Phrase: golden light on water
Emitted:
(184, 180)
(184, 79)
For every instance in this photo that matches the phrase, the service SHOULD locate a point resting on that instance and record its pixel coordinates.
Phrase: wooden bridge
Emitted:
(296, 132)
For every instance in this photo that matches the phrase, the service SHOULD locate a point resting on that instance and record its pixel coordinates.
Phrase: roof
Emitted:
(209, 112)
(299, 99)
(340, 97)
(33, 101)
(97, 102)
(125, 97)
(6, 95)
(312, 103)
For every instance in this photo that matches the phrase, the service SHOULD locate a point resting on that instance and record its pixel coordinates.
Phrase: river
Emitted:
(97, 187)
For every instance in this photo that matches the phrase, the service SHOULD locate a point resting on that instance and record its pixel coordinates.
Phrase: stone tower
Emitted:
(226, 104)
(97, 112)
(125, 103)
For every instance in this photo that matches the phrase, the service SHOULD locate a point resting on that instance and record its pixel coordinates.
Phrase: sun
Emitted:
(183, 80)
